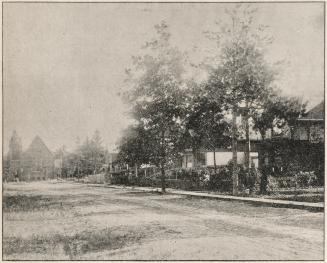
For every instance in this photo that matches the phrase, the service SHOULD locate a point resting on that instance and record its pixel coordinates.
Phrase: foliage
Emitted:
(200, 179)
(247, 76)
(277, 112)
(134, 146)
(206, 120)
(157, 97)
(172, 114)
(92, 154)
(244, 79)
(222, 180)
(243, 76)
(293, 180)
(88, 158)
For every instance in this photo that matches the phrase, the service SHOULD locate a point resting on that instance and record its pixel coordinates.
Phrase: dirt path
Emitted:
(71, 221)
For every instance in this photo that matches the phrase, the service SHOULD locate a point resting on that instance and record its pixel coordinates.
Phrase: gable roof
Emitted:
(316, 113)
(37, 145)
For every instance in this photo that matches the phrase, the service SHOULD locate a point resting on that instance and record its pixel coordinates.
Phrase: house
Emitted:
(204, 157)
(305, 140)
(311, 127)
(36, 163)
(303, 150)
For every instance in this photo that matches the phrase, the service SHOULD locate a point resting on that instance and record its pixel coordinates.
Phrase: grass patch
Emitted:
(84, 242)
(27, 203)
(72, 246)
(37, 244)
(18, 203)
(107, 239)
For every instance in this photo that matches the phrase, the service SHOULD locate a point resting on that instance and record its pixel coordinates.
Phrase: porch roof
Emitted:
(317, 113)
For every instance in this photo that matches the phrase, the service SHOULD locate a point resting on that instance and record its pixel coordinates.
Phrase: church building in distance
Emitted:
(36, 163)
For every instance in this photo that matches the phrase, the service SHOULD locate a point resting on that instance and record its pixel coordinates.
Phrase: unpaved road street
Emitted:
(62, 220)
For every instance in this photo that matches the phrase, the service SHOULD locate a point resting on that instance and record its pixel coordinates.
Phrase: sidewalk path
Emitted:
(253, 200)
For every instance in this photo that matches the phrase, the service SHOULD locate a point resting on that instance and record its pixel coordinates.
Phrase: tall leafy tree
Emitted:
(206, 120)
(157, 96)
(89, 157)
(243, 73)
(97, 152)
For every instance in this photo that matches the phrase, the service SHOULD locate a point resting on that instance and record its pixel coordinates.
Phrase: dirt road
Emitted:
(55, 220)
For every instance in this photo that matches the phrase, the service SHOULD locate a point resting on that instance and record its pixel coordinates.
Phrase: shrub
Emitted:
(293, 179)
(120, 178)
(222, 180)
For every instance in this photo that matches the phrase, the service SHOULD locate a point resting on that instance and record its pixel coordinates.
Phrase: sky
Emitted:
(64, 64)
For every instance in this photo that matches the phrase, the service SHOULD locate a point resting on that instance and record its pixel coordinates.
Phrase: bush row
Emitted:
(221, 181)
(294, 180)
(201, 179)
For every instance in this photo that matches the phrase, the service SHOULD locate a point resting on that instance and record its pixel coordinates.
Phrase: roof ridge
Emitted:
(38, 139)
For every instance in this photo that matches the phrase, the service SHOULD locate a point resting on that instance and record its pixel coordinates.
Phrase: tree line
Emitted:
(89, 157)
(173, 111)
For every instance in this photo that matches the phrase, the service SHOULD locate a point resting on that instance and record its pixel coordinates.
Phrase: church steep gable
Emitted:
(38, 152)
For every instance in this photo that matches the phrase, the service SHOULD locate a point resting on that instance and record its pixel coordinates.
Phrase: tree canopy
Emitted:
(157, 97)
(172, 113)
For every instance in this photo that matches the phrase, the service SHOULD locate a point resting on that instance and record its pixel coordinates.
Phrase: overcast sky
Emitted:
(65, 63)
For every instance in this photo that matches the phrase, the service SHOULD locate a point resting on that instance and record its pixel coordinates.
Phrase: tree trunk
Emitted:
(292, 132)
(264, 180)
(263, 168)
(163, 181)
(194, 158)
(247, 144)
(162, 167)
(214, 160)
(234, 150)
(263, 134)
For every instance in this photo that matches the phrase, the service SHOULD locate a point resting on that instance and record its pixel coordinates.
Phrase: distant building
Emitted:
(36, 163)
